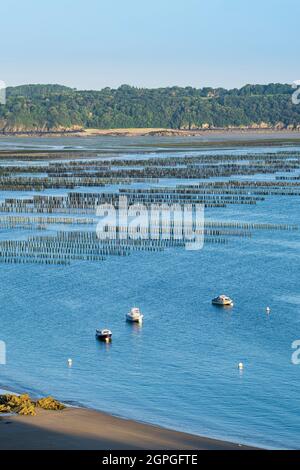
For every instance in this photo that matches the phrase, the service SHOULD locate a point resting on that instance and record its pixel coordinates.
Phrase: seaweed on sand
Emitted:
(24, 405)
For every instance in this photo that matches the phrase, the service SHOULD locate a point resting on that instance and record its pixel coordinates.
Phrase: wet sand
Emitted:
(84, 429)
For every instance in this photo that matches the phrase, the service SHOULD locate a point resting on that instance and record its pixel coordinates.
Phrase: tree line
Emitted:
(54, 107)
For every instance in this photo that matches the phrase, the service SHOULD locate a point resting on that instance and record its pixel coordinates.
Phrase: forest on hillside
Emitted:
(56, 107)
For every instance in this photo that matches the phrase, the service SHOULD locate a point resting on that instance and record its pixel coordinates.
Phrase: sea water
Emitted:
(179, 369)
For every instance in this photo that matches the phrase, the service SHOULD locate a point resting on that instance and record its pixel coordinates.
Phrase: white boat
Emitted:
(223, 301)
(104, 335)
(135, 315)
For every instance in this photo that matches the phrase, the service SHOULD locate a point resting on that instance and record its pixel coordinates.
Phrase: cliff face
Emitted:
(19, 128)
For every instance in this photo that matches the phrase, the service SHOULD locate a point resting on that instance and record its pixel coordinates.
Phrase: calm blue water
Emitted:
(179, 369)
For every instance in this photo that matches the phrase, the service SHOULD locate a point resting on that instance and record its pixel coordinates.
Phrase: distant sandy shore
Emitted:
(208, 134)
(162, 132)
(84, 429)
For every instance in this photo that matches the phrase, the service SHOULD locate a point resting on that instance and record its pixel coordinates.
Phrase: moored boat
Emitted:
(223, 301)
(104, 335)
(135, 315)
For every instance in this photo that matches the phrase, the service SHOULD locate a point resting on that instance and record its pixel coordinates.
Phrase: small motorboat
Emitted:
(104, 335)
(223, 301)
(135, 315)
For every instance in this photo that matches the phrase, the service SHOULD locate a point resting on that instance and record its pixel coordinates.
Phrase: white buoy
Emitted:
(268, 310)
(70, 362)
(241, 366)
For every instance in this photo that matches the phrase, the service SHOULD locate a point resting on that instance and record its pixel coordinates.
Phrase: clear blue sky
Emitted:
(96, 43)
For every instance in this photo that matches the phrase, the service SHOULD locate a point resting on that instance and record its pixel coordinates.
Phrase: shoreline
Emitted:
(175, 141)
(85, 429)
(204, 140)
(156, 132)
(81, 428)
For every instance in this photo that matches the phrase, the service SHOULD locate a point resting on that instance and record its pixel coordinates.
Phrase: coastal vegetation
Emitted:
(56, 108)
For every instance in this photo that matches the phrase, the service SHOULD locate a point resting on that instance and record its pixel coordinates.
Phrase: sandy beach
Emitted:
(162, 132)
(84, 429)
(211, 134)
